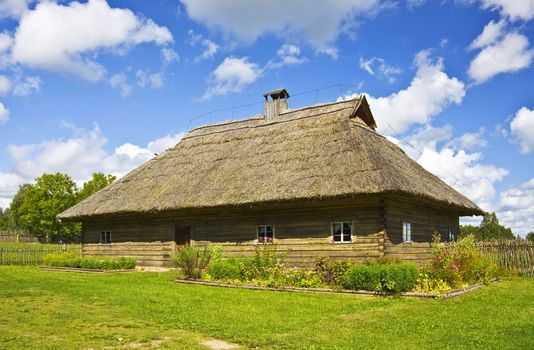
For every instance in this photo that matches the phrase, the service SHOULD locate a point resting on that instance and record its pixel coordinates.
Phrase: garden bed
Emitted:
(451, 294)
(79, 269)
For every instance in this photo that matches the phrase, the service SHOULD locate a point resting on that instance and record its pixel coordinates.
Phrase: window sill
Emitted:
(342, 242)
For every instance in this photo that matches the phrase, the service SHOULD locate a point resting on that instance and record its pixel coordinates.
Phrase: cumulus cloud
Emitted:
(209, 48)
(154, 80)
(315, 22)
(13, 8)
(516, 208)
(4, 113)
(119, 82)
(169, 56)
(5, 85)
(429, 93)
(377, 66)
(521, 127)
(287, 54)
(232, 75)
(513, 9)
(438, 152)
(502, 51)
(65, 38)
(79, 155)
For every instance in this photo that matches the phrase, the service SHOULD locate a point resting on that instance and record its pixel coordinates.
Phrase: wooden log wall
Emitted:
(425, 220)
(147, 241)
(415, 252)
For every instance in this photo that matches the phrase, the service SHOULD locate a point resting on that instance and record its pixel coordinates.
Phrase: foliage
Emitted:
(227, 269)
(331, 271)
(94, 263)
(193, 260)
(530, 236)
(303, 279)
(460, 263)
(264, 267)
(489, 228)
(98, 181)
(35, 207)
(427, 284)
(396, 277)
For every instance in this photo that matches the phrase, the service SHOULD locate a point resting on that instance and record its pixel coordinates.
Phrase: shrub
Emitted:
(94, 263)
(426, 284)
(228, 269)
(265, 266)
(396, 278)
(332, 271)
(460, 263)
(193, 260)
(303, 279)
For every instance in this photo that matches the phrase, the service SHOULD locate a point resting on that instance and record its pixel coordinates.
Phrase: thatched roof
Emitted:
(321, 152)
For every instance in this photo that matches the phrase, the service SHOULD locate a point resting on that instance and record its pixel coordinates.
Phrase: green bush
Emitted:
(94, 263)
(460, 263)
(228, 269)
(396, 278)
(193, 260)
(332, 271)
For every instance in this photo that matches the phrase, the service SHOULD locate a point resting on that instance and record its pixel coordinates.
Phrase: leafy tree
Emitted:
(16, 203)
(4, 219)
(489, 228)
(530, 236)
(42, 202)
(97, 182)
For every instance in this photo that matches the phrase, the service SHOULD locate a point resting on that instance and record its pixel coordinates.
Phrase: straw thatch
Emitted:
(320, 152)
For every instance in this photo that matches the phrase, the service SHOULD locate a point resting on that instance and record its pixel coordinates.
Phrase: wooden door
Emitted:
(182, 235)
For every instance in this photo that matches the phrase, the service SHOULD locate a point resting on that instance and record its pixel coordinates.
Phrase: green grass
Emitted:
(52, 310)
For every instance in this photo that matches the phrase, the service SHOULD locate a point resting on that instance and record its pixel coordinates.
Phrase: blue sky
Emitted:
(101, 86)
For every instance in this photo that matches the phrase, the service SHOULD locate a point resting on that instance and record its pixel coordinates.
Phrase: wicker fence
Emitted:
(514, 255)
(32, 254)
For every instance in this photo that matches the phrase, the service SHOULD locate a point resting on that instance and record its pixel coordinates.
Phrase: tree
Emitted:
(42, 202)
(4, 219)
(489, 228)
(97, 182)
(530, 236)
(16, 203)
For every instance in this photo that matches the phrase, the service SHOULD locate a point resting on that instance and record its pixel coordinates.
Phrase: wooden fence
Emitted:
(514, 255)
(22, 238)
(32, 254)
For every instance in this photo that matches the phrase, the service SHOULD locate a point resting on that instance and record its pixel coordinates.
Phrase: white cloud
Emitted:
(287, 54)
(210, 49)
(501, 52)
(27, 86)
(492, 32)
(458, 167)
(521, 127)
(66, 38)
(154, 81)
(5, 85)
(378, 66)
(514, 9)
(331, 51)
(169, 56)
(516, 208)
(469, 141)
(13, 8)
(232, 75)
(316, 22)
(4, 113)
(429, 93)
(119, 81)
(79, 155)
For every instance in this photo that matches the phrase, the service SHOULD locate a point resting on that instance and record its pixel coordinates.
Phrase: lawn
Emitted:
(57, 310)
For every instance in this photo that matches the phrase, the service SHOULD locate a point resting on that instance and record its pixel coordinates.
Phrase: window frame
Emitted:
(333, 223)
(406, 232)
(106, 234)
(265, 239)
(452, 236)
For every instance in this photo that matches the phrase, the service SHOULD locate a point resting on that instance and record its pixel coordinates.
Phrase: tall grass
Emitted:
(514, 255)
(12, 253)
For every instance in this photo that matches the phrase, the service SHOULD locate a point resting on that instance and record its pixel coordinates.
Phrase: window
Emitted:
(105, 237)
(451, 235)
(406, 232)
(265, 233)
(341, 232)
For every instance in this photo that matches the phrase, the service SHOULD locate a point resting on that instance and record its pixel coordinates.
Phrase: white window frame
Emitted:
(406, 232)
(451, 235)
(103, 241)
(258, 233)
(342, 235)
